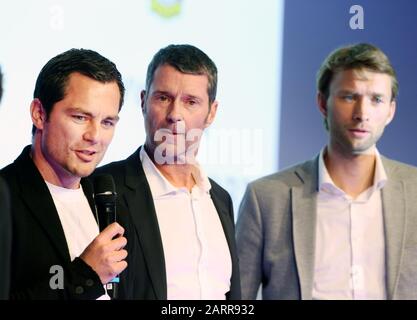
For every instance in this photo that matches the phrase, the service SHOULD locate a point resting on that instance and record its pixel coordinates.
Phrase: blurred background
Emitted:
(267, 53)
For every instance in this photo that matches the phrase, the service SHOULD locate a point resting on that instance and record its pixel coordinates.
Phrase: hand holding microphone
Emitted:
(106, 254)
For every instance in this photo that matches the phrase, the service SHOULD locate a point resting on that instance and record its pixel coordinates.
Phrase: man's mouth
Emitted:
(86, 155)
(359, 132)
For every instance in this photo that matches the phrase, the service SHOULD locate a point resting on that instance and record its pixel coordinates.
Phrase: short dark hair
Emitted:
(186, 59)
(358, 56)
(1, 84)
(53, 79)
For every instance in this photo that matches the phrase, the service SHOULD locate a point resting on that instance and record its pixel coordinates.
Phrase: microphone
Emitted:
(105, 200)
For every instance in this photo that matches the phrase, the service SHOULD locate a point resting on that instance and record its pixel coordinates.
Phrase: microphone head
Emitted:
(104, 188)
(104, 183)
(105, 201)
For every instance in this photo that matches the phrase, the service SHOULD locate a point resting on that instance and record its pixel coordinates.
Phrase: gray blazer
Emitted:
(276, 232)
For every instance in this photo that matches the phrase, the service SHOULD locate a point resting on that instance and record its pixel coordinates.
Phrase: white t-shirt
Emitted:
(80, 227)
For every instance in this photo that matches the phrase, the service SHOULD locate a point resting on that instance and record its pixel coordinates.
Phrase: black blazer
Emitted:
(38, 240)
(5, 240)
(147, 264)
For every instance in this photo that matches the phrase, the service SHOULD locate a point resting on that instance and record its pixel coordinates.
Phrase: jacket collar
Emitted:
(38, 199)
(304, 204)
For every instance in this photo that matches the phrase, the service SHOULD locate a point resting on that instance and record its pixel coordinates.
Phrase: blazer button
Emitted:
(79, 290)
(89, 283)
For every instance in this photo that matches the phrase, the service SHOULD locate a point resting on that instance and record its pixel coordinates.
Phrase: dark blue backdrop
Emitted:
(314, 28)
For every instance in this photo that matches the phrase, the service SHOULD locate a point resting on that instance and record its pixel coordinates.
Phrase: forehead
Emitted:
(89, 95)
(167, 77)
(80, 85)
(361, 78)
(79, 81)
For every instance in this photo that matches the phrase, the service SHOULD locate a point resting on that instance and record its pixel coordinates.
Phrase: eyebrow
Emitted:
(116, 118)
(190, 96)
(167, 93)
(159, 92)
(349, 91)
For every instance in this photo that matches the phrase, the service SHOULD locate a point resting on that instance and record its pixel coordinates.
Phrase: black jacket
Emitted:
(5, 240)
(38, 240)
(148, 267)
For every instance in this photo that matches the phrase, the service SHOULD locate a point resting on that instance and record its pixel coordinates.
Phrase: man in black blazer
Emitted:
(5, 230)
(183, 220)
(5, 240)
(58, 252)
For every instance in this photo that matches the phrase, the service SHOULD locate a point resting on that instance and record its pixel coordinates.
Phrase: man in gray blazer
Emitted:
(344, 224)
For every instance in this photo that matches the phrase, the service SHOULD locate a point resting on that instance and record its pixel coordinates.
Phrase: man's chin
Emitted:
(167, 157)
(367, 149)
(167, 153)
(84, 171)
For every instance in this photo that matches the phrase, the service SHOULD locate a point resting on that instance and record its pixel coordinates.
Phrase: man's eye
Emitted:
(79, 118)
(348, 97)
(163, 98)
(378, 99)
(108, 123)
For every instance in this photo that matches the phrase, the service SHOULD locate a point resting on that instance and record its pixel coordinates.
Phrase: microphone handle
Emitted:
(112, 288)
(107, 215)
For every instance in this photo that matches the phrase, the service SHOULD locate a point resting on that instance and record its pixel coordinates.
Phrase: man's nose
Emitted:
(361, 110)
(175, 112)
(92, 132)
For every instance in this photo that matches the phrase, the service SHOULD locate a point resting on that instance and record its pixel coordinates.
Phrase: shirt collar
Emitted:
(64, 191)
(160, 186)
(326, 182)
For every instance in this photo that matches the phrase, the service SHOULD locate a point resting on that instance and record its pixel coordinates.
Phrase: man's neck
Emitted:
(179, 175)
(353, 173)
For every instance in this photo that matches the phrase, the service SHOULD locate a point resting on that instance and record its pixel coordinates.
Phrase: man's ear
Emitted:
(322, 103)
(212, 114)
(143, 100)
(38, 114)
(392, 108)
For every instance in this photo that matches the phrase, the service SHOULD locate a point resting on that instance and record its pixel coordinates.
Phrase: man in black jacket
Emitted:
(58, 252)
(5, 230)
(183, 220)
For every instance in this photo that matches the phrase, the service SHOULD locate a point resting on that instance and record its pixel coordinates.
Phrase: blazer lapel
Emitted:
(304, 202)
(224, 216)
(141, 206)
(88, 192)
(394, 210)
(37, 197)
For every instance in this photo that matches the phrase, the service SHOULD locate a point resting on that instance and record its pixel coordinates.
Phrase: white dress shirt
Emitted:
(197, 257)
(80, 227)
(350, 243)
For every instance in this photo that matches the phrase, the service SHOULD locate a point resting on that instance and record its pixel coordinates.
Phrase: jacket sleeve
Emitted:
(78, 281)
(249, 237)
(5, 240)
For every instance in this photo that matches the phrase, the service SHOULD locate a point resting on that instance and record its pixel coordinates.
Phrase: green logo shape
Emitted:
(166, 8)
